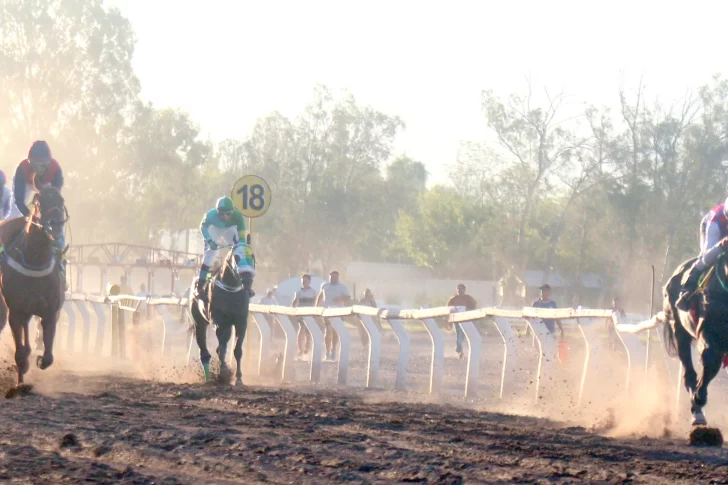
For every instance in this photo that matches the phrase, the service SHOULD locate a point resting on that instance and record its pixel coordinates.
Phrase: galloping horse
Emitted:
(707, 322)
(226, 307)
(30, 280)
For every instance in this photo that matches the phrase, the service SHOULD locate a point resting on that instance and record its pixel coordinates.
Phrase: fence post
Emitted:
(71, 334)
(546, 347)
(344, 345)
(317, 349)
(290, 347)
(83, 310)
(404, 345)
(115, 330)
(473, 371)
(100, 326)
(509, 351)
(438, 354)
(122, 333)
(375, 345)
(264, 329)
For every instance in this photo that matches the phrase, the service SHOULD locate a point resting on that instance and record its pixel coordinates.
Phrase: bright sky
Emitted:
(229, 62)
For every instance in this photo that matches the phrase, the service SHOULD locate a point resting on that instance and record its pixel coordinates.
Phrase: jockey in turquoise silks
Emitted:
(223, 226)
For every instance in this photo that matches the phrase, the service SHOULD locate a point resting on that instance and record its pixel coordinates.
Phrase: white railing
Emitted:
(172, 311)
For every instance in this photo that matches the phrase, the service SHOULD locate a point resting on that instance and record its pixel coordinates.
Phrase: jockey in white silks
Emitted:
(224, 226)
(713, 241)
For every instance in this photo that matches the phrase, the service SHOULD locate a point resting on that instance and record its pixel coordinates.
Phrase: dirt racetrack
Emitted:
(113, 429)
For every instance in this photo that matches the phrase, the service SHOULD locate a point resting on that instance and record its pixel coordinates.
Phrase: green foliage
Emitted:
(601, 191)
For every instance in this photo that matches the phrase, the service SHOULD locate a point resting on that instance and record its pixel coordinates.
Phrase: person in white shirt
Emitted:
(304, 297)
(332, 295)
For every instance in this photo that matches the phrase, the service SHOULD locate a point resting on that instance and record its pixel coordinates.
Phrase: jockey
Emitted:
(713, 240)
(41, 164)
(222, 226)
(5, 197)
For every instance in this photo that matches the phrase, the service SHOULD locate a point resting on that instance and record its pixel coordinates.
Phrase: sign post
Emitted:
(252, 197)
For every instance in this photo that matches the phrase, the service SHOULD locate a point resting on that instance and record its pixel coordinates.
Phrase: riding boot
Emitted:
(204, 271)
(691, 285)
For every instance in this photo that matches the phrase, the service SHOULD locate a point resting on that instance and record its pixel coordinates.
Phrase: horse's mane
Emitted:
(50, 197)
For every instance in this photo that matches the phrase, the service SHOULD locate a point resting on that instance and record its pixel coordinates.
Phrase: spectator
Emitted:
(124, 288)
(545, 301)
(368, 299)
(461, 298)
(270, 299)
(304, 297)
(332, 294)
(141, 313)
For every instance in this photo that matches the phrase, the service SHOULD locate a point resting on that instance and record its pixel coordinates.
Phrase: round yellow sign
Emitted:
(251, 196)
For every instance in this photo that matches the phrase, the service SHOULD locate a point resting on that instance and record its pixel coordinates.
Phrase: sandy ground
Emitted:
(144, 423)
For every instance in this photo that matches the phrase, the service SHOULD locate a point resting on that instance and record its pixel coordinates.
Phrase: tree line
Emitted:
(564, 189)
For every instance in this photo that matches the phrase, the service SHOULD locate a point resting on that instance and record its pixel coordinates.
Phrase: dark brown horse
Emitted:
(226, 307)
(707, 323)
(30, 279)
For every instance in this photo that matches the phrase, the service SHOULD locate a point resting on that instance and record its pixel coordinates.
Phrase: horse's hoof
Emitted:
(225, 375)
(699, 419)
(239, 383)
(23, 366)
(206, 370)
(43, 363)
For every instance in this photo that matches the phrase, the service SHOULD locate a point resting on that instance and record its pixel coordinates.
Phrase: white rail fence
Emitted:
(112, 314)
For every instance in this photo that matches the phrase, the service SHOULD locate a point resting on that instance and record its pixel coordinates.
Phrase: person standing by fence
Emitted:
(332, 295)
(461, 298)
(304, 297)
(545, 301)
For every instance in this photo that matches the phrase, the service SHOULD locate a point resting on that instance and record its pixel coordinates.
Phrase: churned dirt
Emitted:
(102, 428)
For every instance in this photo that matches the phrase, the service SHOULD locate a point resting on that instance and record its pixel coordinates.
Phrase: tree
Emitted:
(534, 138)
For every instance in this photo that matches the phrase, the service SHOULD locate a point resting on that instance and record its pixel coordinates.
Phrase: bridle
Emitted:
(44, 221)
(228, 265)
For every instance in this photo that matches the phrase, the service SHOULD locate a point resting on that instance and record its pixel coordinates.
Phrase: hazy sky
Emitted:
(228, 63)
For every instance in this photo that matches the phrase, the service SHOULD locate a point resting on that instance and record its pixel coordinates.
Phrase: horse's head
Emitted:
(49, 211)
(230, 275)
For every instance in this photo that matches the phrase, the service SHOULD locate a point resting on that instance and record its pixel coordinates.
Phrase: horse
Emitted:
(224, 303)
(706, 322)
(30, 278)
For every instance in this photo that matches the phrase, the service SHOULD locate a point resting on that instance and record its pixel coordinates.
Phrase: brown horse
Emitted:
(30, 279)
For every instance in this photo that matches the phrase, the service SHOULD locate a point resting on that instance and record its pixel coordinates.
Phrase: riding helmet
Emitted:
(40, 150)
(224, 205)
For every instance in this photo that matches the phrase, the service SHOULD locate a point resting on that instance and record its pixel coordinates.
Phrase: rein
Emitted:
(45, 226)
(720, 275)
(239, 282)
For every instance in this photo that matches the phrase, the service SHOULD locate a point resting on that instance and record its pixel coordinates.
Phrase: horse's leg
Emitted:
(201, 338)
(17, 326)
(241, 326)
(223, 330)
(48, 323)
(686, 358)
(712, 360)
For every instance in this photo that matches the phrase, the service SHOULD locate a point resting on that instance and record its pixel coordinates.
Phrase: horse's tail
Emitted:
(668, 335)
(196, 317)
